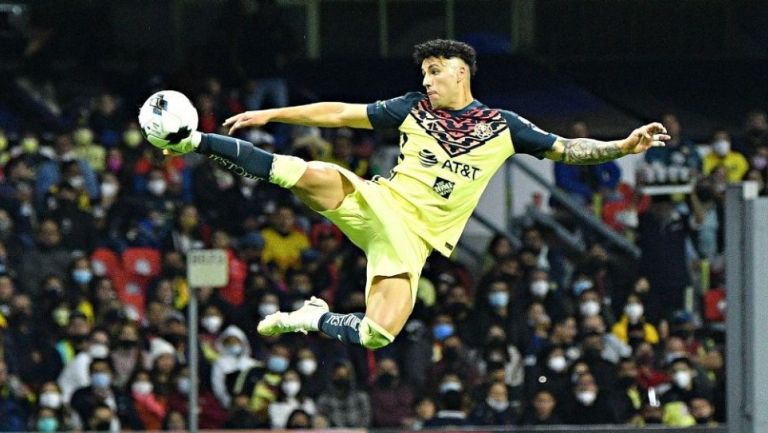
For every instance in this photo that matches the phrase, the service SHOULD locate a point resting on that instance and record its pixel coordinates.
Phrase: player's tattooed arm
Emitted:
(583, 151)
(588, 151)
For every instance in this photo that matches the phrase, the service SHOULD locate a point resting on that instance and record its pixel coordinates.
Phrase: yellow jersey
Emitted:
(447, 158)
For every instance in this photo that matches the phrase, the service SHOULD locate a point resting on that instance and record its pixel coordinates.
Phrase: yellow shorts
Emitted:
(369, 217)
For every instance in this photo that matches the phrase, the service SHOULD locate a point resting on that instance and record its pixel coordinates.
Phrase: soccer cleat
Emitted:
(302, 320)
(184, 145)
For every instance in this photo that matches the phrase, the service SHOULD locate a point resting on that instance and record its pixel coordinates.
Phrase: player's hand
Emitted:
(645, 137)
(247, 119)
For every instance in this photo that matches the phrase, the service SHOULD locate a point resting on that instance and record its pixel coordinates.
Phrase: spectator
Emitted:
(543, 409)
(343, 404)
(47, 255)
(150, 407)
(498, 247)
(235, 357)
(755, 132)
(299, 419)
(704, 221)
(735, 163)
(88, 401)
(50, 399)
(175, 421)
(551, 371)
(13, 403)
(703, 411)
(212, 415)
(495, 409)
(127, 355)
(312, 380)
(686, 382)
(632, 328)
(392, 398)
(290, 398)
(592, 405)
(283, 241)
(76, 374)
(78, 172)
(451, 403)
(88, 150)
(545, 258)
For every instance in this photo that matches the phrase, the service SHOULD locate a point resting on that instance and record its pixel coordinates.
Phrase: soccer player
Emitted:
(450, 147)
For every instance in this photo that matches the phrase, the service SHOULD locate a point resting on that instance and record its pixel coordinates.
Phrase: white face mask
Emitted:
(291, 387)
(156, 187)
(721, 147)
(539, 288)
(50, 399)
(108, 189)
(634, 311)
(142, 388)
(586, 397)
(557, 363)
(212, 324)
(682, 378)
(497, 405)
(98, 351)
(77, 182)
(267, 308)
(307, 366)
(589, 308)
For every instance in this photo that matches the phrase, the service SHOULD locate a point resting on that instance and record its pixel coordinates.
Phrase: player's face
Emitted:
(442, 80)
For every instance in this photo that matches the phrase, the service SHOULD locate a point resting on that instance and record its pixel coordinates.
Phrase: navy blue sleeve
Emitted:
(526, 137)
(391, 112)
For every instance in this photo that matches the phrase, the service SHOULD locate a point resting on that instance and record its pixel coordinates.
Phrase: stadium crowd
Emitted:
(95, 224)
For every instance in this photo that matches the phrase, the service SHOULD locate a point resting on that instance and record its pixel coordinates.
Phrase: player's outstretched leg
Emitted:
(389, 305)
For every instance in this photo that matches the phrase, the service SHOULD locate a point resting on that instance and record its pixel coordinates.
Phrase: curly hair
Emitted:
(446, 48)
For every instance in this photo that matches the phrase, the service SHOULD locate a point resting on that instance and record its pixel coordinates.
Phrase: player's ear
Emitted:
(461, 73)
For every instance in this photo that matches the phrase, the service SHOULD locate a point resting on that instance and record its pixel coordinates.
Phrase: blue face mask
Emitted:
(581, 286)
(278, 364)
(498, 299)
(101, 380)
(442, 331)
(82, 276)
(47, 424)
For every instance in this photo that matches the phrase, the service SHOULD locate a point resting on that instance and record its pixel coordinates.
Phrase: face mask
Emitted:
(307, 366)
(156, 187)
(212, 324)
(539, 288)
(581, 286)
(47, 424)
(291, 387)
(30, 144)
(101, 380)
(234, 350)
(82, 276)
(557, 363)
(682, 378)
(184, 385)
(669, 357)
(589, 308)
(442, 331)
(586, 397)
(634, 311)
(759, 162)
(108, 189)
(498, 299)
(278, 364)
(497, 405)
(721, 147)
(450, 386)
(77, 182)
(83, 136)
(267, 308)
(98, 351)
(132, 138)
(50, 399)
(142, 388)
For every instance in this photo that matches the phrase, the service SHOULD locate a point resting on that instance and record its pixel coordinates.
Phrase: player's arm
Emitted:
(583, 151)
(322, 114)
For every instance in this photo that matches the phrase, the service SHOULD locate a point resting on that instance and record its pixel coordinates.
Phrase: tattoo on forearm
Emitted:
(588, 151)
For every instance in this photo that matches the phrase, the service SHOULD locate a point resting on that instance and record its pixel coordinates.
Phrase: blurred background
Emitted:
(579, 295)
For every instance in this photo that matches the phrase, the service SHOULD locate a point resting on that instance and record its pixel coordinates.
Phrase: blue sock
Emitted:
(342, 326)
(238, 156)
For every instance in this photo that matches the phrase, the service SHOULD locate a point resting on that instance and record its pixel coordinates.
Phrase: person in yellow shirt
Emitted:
(632, 327)
(736, 165)
(451, 144)
(283, 241)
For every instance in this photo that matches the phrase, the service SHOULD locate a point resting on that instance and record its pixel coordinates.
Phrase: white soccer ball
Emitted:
(167, 117)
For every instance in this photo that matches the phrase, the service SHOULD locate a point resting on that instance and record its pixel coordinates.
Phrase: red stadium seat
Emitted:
(142, 262)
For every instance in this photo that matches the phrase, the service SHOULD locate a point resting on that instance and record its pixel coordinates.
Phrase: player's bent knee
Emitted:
(373, 336)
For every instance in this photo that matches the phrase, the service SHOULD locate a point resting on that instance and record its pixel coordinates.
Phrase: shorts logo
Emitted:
(443, 187)
(427, 158)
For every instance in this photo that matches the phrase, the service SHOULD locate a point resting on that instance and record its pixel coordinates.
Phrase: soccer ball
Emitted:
(167, 117)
